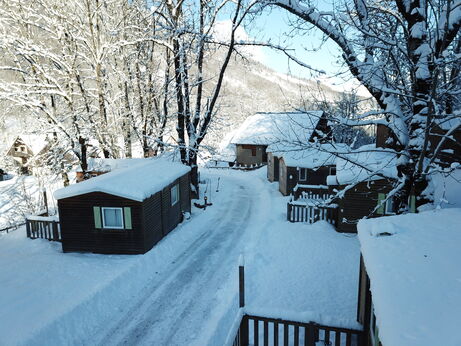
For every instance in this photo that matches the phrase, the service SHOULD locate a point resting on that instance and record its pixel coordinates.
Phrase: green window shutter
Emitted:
(97, 217)
(127, 214)
(412, 204)
(381, 198)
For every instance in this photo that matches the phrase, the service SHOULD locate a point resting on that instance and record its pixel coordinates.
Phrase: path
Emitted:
(199, 287)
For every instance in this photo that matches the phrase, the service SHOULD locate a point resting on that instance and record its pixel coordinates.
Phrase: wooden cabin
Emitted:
(306, 170)
(363, 190)
(409, 291)
(262, 130)
(126, 211)
(449, 152)
(23, 149)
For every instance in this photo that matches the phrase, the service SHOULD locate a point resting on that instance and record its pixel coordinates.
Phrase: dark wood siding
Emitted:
(80, 234)
(151, 220)
(272, 167)
(153, 228)
(185, 193)
(359, 202)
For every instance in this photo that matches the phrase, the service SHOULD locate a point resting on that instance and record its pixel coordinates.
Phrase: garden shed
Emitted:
(126, 211)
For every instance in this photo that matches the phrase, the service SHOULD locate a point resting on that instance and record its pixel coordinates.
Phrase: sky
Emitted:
(307, 46)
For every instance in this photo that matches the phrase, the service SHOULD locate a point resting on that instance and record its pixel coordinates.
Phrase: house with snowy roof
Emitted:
(125, 211)
(276, 129)
(23, 148)
(410, 286)
(364, 177)
(306, 170)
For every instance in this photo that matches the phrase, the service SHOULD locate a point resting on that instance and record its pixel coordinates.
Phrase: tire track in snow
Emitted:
(171, 306)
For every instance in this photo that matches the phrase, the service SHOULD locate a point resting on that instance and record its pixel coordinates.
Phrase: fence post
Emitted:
(289, 207)
(241, 281)
(55, 231)
(28, 228)
(311, 335)
(244, 331)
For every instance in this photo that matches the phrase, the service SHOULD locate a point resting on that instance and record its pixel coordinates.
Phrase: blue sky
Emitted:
(274, 24)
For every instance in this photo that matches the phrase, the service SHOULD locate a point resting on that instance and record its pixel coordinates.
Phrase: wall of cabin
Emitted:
(79, 232)
(248, 155)
(288, 177)
(272, 167)
(151, 220)
(359, 202)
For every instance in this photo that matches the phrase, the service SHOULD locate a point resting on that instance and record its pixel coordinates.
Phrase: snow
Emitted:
(364, 164)
(271, 128)
(108, 165)
(138, 182)
(185, 290)
(16, 197)
(447, 189)
(415, 276)
(322, 155)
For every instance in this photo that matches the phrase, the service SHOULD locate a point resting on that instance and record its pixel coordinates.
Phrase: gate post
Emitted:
(244, 331)
(241, 281)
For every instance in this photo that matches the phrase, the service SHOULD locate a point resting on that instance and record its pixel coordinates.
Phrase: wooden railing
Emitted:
(298, 212)
(43, 227)
(257, 330)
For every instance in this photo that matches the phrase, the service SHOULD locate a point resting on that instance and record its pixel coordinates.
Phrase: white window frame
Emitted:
(174, 194)
(301, 178)
(104, 219)
(389, 204)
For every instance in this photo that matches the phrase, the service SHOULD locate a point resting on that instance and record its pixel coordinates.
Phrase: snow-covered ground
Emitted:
(185, 290)
(17, 198)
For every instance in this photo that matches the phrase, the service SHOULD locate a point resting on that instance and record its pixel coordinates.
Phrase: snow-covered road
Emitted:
(197, 286)
(185, 290)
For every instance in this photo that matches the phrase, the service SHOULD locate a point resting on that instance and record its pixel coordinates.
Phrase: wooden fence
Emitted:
(43, 227)
(311, 213)
(256, 330)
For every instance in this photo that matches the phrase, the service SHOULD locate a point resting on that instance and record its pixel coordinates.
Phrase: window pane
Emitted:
(174, 195)
(112, 218)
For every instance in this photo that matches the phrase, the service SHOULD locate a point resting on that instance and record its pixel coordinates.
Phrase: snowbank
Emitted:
(138, 182)
(413, 264)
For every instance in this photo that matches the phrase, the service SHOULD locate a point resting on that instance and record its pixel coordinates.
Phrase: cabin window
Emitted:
(112, 218)
(390, 206)
(302, 174)
(385, 208)
(332, 171)
(174, 194)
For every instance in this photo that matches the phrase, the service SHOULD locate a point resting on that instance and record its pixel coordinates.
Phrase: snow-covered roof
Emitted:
(270, 128)
(449, 122)
(137, 182)
(415, 276)
(108, 165)
(323, 155)
(364, 164)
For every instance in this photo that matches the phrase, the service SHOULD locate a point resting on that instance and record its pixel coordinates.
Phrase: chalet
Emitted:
(23, 148)
(365, 176)
(126, 211)
(306, 170)
(409, 286)
(259, 131)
